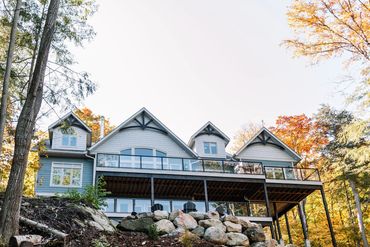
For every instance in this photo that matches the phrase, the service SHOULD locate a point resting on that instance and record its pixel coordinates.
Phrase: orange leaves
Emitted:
(93, 121)
(302, 134)
(326, 28)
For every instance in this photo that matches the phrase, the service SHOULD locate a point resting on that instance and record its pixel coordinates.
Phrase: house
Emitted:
(144, 163)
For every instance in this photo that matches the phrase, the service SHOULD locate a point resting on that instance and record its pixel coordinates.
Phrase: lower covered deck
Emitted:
(259, 200)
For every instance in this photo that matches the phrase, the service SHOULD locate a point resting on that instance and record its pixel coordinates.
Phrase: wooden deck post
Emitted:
(152, 191)
(206, 194)
(273, 236)
(288, 228)
(304, 229)
(267, 200)
(333, 240)
(280, 238)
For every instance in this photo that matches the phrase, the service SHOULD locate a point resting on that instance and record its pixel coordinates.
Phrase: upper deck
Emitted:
(205, 168)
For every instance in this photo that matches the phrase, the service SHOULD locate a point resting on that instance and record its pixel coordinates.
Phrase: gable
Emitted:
(266, 146)
(209, 129)
(143, 130)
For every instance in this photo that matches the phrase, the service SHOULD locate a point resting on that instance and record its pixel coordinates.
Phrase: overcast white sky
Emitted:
(197, 60)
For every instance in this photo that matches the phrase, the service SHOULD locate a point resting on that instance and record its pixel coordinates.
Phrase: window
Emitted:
(129, 158)
(110, 205)
(69, 140)
(66, 175)
(210, 148)
(142, 205)
(124, 205)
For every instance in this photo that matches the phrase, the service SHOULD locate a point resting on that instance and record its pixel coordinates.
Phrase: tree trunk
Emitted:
(8, 68)
(350, 213)
(9, 217)
(359, 212)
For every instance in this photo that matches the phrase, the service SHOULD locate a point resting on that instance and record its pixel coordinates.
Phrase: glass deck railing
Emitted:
(178, 164)
(292, 173)
(206, 165)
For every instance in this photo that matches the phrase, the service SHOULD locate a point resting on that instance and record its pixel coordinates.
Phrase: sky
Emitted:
(193, 61)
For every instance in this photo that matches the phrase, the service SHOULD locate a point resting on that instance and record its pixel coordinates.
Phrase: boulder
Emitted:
(197, 215)
(185, 221)
(114, 223)
(255, 234)
(100, 219)
(215, 235)
(236, 239)
(272, 243)
(160, 215)
(212, 223)
(259, 244)
(145, 215)
(131, 217)
(231, 218)
(174, 214)
(212, 215)
(139, 225)
(177, 232)
(164, 226)
(232, 227)
(246, 223)
(199, 231)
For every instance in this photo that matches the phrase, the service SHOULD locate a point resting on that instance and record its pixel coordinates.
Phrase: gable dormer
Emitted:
(69, 133)
(265, 146)
(209, 141)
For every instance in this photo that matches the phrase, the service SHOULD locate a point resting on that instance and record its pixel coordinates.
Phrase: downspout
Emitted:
(94, 166)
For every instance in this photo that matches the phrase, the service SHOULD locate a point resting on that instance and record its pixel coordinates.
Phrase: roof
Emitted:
(282, 144)
(209, 129)
(162, 128)
(70, 114)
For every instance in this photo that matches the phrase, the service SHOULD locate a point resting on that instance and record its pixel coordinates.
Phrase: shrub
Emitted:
(101, 242)
(187, 239)
(92, 194)
(153, 232)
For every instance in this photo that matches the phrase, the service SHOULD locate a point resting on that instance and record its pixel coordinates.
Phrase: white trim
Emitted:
(275, 137)
(170, 133)
(45, 194)
(298, 182)
(226, 138)
(64, 117)
(65, 165)
(255, 219)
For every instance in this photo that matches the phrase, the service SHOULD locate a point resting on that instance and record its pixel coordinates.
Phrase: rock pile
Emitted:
(227, 230)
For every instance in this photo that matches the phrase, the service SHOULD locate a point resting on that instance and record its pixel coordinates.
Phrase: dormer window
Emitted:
(210, 147)
(69, 140)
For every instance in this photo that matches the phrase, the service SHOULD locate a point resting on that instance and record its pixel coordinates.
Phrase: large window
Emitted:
(210, 147)
(69, 140)
(66, 175)
(142, 205)
(147, 160)
(124, 205)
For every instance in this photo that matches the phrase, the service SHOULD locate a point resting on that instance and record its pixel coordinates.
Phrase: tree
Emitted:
(347, 153)
(64, 87)
(244, 134)
(93, 121)
(334, 28)
(303, 135)
(9, 217)
(329, 28)
(9, 60)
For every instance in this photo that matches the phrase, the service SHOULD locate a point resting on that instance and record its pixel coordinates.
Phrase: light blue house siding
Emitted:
(43, 185)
